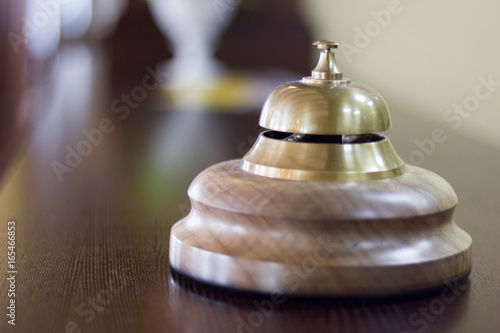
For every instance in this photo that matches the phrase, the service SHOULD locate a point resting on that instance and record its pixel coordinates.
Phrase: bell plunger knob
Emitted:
(327, 68)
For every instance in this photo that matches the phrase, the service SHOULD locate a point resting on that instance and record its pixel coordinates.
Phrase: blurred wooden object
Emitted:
(375, 238)
(13, 78)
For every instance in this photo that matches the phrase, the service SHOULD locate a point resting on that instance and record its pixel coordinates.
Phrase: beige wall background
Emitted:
(439, 60)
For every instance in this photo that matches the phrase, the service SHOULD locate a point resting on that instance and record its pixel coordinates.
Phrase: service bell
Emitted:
(322, 204)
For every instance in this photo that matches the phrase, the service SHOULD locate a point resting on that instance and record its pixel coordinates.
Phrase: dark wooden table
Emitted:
(91, 250)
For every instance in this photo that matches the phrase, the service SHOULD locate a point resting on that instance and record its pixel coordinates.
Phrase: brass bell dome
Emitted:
(312, 124)
(325, 103)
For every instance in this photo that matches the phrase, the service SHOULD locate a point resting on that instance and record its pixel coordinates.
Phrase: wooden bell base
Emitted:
(325, 238)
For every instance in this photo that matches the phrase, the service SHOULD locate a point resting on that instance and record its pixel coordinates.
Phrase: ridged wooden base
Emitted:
(363, 238)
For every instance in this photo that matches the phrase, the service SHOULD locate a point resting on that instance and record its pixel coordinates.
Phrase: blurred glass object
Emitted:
(193, 28)
(42, 28)
(66, 104)
(29, 59)
(76, 16)
(197, 81)
(105, 16)
(71, 98)
(47, 22)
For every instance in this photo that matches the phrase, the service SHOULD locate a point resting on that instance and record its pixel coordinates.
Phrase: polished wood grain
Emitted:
(92, 250)
(365, 238)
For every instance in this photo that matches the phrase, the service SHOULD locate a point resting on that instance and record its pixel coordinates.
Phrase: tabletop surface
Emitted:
(92, 223)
